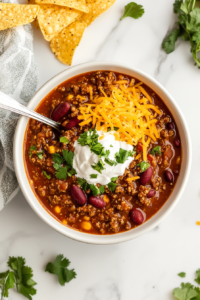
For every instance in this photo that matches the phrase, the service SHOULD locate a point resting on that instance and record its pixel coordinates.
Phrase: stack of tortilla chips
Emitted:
(62, 22)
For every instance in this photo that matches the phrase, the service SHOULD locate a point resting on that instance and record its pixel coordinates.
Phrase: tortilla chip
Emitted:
(76, 4)
(64, 44)
(96, 8)
(12, 15)
(53, 18)
(35, 22)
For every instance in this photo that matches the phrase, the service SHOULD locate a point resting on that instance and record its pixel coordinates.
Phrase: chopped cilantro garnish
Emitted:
(94, 189)
(113, 179)
(112, 186)
(64, 140)
(93, 176)
(89, 138)
(133, 10)
(47, 176)
(68, 156)
(102, 189)
(143, 166)
(31, 149)
(39, 155)
(99, 166)
(83, 183)
(123, 155)
(71, 172)
(62, 173)
(105, 153)
(155, 150)
(59, 268)
(182, 274)
(57, 158)
(110, 162)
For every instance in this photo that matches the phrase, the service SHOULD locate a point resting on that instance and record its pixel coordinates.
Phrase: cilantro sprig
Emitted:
(60, 268)
(155, 150)
(20, 278)
(143, 166)
(63, 164)
(187, 27)
(123, 155)
(133, 10)
(112, 186)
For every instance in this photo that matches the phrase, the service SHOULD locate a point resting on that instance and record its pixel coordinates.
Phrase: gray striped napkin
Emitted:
(18, 79)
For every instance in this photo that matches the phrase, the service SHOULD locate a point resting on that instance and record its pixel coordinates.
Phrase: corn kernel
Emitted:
(57, 209)
(70, 97)
(106, 199)
(86, 218)
(52, 149)
(86, 225)
(178, 160)
(64, 222)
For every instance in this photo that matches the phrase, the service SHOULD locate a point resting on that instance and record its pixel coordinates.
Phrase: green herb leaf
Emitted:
(123, 155)
(23, 276)
(99, 167)
(93, 176)
(89, 138)
(105, 153)
(102, 189)
(155, 150)
(112, 186)
(97, 149)
(186, 292)
(198, 276)
(32, 148)
(94, 189)
(59, 268)
(169, 42)
(143, 166)
(113, 179)
(110, 162)
(83, 183)
(62, 173)
(57, 158)
(133, 10)
(64, 140)
(68, 156)
(39, 155)
(182, 274)
(71, 172)
(7, 281)
(111, 146)
(47, 176)
(177, 6)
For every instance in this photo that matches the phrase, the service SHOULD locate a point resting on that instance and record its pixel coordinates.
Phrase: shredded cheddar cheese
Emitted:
(132, 178)
(134, 118)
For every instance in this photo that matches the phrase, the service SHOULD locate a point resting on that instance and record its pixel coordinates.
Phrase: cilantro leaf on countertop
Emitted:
(155, 150)
(7, 281)
(186, 292)
(169, 42)
(182, 274)
(198, 276)
(23, 276)
(99, 166)
(68, 157)
(112, 186)
(60, 268)
(143, 165)
(93, 175)
(133, 10)
(64, 140)
(61, 173)
(123, 155)
(45, 174)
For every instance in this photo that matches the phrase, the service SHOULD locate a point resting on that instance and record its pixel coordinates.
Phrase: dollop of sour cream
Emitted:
(84, 158)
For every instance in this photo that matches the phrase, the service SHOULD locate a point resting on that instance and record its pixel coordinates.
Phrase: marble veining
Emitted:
(147, 267)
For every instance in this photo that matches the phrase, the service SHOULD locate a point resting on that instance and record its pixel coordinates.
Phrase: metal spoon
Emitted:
(6, 102)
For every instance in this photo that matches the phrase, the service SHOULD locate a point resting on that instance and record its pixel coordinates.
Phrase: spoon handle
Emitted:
(6, 102)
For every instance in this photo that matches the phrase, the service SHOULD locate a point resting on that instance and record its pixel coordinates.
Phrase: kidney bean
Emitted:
(169, 176)
(72, 123)
(177, 143)
(151, 193)
(170, 125)
(146, 176)
(60, 111)
(97, 202)
(78, 195)
(137, 216)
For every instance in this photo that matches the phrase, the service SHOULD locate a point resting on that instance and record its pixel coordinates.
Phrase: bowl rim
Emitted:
(33, 201)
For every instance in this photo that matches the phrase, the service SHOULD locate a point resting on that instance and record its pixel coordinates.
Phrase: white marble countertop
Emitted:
(147, 267)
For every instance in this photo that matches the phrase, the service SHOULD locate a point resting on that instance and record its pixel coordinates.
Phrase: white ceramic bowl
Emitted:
(182, 179)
